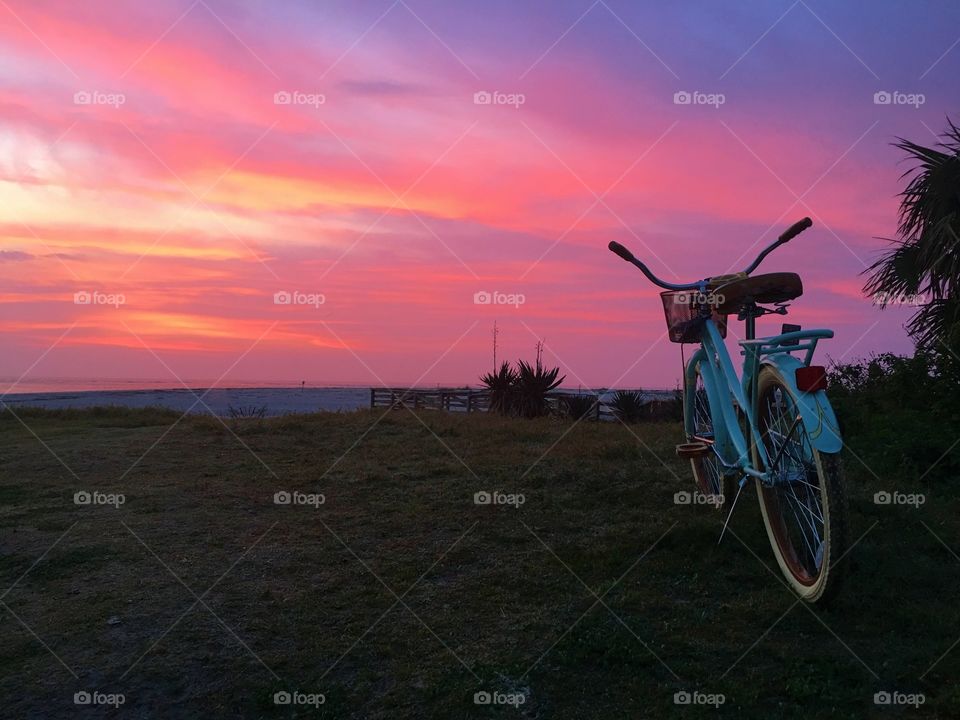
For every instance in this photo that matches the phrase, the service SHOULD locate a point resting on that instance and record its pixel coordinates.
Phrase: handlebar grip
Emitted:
(795, 229)
(620, 250)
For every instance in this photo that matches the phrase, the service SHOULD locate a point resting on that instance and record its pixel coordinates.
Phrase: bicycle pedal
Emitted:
(692, 450)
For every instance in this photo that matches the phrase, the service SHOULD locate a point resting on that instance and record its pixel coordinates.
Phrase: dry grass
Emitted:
(490, 595)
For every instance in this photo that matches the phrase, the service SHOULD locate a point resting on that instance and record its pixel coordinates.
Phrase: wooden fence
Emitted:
(466, 400)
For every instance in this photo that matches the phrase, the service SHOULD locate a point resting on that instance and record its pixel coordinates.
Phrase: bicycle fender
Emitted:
(815, 409)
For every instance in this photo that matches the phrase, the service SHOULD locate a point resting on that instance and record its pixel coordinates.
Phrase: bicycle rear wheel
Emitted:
(803, 506)
(708, 471)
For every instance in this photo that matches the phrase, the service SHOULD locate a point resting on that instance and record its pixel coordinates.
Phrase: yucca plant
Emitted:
(533, 383)
(924, 263)
(579, 406)
(502, 387)
(628, 405)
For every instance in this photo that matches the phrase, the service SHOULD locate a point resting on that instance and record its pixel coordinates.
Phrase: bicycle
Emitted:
(773, 424)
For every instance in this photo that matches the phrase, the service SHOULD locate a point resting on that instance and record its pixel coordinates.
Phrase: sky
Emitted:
(330, 192)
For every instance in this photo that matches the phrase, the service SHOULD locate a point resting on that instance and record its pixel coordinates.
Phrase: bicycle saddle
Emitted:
(763, 289)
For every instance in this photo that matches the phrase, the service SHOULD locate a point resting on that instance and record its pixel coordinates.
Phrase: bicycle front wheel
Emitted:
(708, 471)
(803, 505)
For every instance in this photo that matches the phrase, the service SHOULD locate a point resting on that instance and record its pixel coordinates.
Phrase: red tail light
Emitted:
(812, 378)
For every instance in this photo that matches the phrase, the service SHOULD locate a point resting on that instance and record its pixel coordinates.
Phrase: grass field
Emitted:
(399, 597)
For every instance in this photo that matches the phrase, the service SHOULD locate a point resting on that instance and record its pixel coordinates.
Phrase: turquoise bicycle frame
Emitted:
(722, 385)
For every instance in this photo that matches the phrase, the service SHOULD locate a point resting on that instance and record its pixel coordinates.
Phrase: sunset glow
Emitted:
(178, 164)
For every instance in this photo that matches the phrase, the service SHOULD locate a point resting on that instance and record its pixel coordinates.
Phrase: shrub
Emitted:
(627, 405)
(579, 406)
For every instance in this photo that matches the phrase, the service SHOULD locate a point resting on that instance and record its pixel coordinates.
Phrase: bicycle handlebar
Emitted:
(787, 236)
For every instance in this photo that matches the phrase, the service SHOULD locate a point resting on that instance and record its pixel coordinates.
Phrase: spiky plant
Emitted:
(579, 406)
(627, 405)
(502, 387)
(924, 263)
(533, 383)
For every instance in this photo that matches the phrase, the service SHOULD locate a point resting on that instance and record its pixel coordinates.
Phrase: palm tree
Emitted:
(924, 261)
